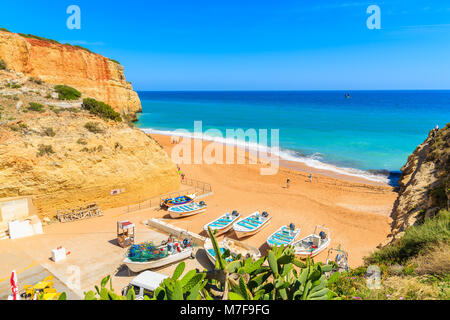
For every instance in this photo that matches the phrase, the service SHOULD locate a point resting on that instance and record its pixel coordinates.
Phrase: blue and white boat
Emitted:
(252, 224)
(223, 223)
(187, 210)
(284, 236)
(312, 245)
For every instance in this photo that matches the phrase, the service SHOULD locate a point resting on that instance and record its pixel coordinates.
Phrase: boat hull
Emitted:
(219, 230)
(148, 265)
(307, 253)
(244, 249)
(243, 232)
(271, 240)
(178, 215)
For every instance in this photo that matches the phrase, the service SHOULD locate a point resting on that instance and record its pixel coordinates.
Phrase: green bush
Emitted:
(36, 80)
(13, 85)
(2, 64)
(82, 141)
(101, 109)
(115, 61)
(45, 150)
(416, 239)
(37, 107)
(48, 132)
(67, 93)
(31, 36)
(93, 127)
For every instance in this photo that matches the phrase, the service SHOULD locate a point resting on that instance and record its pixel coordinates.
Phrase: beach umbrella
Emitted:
(13, 281)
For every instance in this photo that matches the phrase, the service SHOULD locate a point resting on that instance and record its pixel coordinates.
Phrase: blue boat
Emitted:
(223, 223)
(187, 210)
(284, 236)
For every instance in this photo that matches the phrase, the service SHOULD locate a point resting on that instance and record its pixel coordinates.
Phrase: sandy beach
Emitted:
(355, 210)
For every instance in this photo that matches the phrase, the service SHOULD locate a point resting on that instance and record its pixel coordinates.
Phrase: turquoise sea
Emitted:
(370, 132)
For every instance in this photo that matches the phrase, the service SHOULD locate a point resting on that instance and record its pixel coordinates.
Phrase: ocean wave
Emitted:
(314, 161)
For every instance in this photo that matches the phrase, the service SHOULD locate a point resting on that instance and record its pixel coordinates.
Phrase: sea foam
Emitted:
(314, 161)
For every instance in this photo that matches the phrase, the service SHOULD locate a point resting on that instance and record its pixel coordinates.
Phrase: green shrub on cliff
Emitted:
(67, 93)
(32, 36)
(2, 64)
(44, 150)
(93, 127)
(101, 109)
(416, 239)
(37, 107)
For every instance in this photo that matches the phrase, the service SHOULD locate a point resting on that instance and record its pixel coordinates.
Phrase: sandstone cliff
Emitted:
(66, 157)
(92, 74)
(424, 186)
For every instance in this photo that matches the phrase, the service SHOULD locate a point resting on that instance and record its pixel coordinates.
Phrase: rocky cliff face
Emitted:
(66, 157)
(92, 74)
(424, 186)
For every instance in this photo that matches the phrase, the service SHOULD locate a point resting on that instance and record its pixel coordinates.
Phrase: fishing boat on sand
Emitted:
(313, 244)
(284, 236)
(252, 224)
(179, 201)
(187, 210)
(223, 224)
(340, 260)
(148, 256)
(234, 246)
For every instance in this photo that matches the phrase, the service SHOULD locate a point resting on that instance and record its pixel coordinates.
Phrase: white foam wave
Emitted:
(313, 161)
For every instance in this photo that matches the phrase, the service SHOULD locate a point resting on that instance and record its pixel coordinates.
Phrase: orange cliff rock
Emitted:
(92, 74)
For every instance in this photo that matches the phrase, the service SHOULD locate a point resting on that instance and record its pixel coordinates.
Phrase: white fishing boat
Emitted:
(252, 224)
(284, 236)
(146, 256)
(313, 244)
(223, 224)
(236, 247)
(187, 210)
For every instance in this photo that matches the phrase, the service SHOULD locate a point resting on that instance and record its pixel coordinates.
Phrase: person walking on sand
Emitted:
(288, 183)
(310, 178)
(182, 177)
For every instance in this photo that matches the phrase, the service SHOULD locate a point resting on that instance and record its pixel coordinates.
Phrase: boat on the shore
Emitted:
(284, 236)
(179, 201)
(251, 224)
(148, 256)
(187, 210)
(234, 246)
(313, 244)
(340, 260)
(223, 224)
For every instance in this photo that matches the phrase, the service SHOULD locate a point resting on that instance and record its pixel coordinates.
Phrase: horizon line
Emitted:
(283, 90)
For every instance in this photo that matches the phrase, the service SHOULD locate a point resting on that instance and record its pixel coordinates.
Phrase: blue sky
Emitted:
(255, 45)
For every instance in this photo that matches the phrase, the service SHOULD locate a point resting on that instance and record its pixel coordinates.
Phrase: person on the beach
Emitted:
(288, 183)
(310, 178)
(182, 177)
(436, 128)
